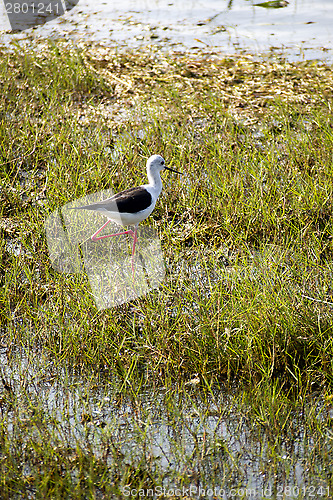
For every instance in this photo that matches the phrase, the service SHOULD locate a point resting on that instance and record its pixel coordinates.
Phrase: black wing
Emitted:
(129, 201)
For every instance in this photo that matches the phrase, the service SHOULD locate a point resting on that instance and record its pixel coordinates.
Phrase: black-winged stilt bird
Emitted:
(132, 206)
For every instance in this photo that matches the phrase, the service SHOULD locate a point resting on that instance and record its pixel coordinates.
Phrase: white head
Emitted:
(156, 163)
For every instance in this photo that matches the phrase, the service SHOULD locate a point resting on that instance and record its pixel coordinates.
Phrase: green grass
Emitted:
(253, 138)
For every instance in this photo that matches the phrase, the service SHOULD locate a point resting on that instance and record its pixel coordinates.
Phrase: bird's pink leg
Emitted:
(133, 248)
(94, 236)
(134, 234)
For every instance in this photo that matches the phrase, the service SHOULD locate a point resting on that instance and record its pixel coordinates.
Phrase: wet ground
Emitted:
(185, 434)
(300, 29)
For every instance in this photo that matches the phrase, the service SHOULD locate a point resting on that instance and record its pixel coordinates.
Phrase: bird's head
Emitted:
(156, 163)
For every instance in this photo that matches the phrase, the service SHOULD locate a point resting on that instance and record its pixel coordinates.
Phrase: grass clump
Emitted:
(247, 237)
(256, 176)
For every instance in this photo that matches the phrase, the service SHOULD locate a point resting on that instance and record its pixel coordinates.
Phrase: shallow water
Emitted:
(206, 436)
(302, 29)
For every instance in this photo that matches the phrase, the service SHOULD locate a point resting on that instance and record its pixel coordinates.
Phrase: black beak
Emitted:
(172, 170)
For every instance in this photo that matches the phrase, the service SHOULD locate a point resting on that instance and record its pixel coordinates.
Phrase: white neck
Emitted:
(154, 179)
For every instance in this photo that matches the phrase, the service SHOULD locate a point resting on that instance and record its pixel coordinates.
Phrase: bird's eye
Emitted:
(162, 162)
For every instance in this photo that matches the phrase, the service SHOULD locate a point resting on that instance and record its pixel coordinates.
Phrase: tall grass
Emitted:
(246, 234)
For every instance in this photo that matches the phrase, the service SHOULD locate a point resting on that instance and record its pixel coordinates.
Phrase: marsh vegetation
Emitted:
(221, 377)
